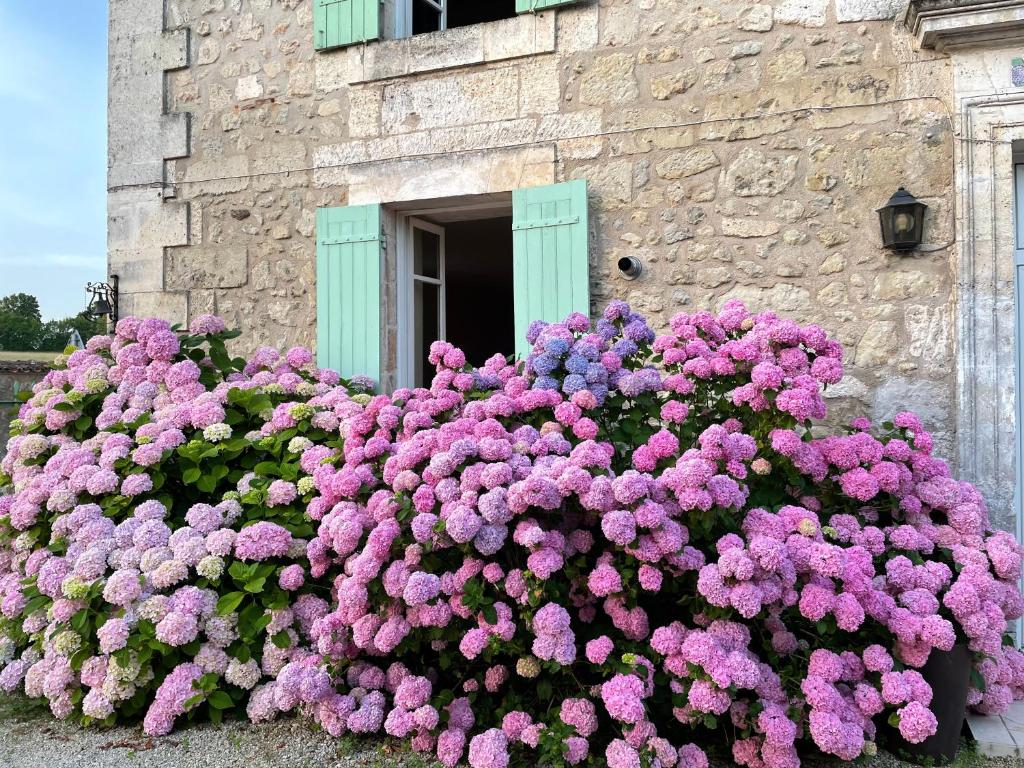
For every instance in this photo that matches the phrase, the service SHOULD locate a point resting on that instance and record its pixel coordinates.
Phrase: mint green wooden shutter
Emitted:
(525, 6)
(551, 267)
(345, 22)
(348, 257)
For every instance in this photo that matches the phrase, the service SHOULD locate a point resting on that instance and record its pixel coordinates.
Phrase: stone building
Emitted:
(365, 175)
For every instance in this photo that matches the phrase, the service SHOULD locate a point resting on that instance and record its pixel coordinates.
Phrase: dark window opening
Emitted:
(427, 15)
(462, 13)
(478, 287)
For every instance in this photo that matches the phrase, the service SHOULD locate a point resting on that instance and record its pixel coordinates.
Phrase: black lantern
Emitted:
(902, 220)
(103, 299)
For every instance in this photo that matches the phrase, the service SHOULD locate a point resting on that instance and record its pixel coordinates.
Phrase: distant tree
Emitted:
(22, 305)
(22, 328)
(19, 333)
(54, 334)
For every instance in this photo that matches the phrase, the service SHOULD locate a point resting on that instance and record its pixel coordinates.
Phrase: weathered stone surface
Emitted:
(679, 165)
(833, 264)
(929, 335)
(207, 267)
(807, 13)
(878, 345)
(248, 87)
(784, 297)
(611, 183)
(788, 65)
(848, 386)
(209, 52)
(754, 174)
(611, 80)
(864, 10)
(666, 86)
(218, 176)
(757, 18)
(904, 284)
(745, 49)
(749, 228)
(461, 99)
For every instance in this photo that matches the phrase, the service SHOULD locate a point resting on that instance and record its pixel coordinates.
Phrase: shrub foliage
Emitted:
(628, 549)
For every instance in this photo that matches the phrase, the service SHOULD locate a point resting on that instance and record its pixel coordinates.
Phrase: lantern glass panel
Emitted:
(902, 221)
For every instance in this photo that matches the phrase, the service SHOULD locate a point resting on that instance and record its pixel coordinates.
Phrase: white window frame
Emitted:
(407, 279)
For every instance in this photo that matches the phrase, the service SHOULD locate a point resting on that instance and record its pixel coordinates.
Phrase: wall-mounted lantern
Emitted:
(902, 220)
(103, 299)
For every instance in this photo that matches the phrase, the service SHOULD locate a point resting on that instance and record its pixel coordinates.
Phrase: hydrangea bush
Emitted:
(628, 549)
(153, 551)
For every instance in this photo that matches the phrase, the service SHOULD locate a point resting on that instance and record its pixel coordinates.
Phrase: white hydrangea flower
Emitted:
(243, 675)
(126, 673)
(301, 411)
(154, 609)
(217, 432)
(211, 567)
(305, 485)
(67, 643)
(74, 588)
(95, 386)
(299, 444)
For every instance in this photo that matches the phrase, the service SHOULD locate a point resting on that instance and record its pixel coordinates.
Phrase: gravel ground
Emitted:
(30, 738)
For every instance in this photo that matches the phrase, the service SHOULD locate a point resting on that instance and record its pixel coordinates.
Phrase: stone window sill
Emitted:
(525, 35)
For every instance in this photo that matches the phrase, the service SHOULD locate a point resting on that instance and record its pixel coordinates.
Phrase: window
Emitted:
(453, 288)
(415, 17)
(339, 23)
(473, 270)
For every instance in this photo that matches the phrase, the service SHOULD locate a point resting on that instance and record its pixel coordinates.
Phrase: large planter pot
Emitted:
(949, 675)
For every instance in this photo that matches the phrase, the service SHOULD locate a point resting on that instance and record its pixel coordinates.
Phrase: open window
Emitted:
(339, 23)
(473, 270)
(416, 17)
(455, 269)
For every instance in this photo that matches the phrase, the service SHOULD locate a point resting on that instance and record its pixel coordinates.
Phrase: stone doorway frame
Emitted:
(986, 313)
(988, 410)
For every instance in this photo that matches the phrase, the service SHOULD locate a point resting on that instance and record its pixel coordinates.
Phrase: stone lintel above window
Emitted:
(947, 25)
(524, 35)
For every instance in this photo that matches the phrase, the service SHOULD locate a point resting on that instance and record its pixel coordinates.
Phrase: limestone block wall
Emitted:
(738, 149)
(143, 135)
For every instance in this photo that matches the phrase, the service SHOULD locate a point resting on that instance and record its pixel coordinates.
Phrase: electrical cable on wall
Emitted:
(552, 142)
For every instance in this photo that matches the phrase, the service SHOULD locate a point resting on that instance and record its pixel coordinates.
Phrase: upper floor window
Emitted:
(415, 17)
(338, 23)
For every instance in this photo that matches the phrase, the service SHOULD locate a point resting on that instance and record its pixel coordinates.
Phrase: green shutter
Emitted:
(525, 6)
(345, 22)
(551, 268)
(348, 258)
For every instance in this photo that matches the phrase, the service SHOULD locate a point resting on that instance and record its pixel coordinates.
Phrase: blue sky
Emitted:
(53, 157)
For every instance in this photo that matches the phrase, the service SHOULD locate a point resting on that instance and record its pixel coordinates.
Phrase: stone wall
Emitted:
(15, 377)
(737, 149)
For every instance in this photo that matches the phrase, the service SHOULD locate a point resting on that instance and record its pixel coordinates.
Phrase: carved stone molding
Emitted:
(947, 25)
